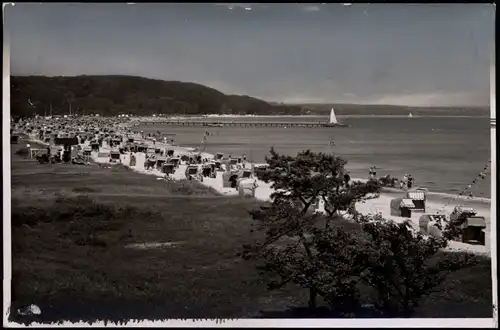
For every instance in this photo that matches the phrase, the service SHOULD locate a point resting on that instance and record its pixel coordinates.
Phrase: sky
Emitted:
(400, 54)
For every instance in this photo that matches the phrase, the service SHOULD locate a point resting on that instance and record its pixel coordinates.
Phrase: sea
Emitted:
(443, 154)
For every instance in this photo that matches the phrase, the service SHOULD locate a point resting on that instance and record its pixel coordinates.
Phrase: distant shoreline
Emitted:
(179, 117)
(406, 116)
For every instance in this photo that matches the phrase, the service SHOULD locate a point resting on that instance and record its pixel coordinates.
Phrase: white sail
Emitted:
(333, 118)
(410, 115)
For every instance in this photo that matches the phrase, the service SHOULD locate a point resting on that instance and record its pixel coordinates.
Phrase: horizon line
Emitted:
(385, 105)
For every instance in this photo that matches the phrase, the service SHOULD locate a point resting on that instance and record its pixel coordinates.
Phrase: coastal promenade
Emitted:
(240, 124)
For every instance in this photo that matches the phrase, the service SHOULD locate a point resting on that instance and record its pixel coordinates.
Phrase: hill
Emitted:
(112, 95)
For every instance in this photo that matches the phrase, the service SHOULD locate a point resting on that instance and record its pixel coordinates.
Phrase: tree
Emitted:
(403, 266)
(286, 250)
(311, 176)
(399, 265)
(295, 251)
(298, 183)
(338, 268)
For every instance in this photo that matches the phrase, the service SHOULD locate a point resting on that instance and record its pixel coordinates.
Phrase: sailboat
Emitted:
(333, 120)
(410, 115)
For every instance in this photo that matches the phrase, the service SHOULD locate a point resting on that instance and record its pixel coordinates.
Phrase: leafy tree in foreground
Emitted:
(289, 226)
(309, 177)
(403, 266)
(397, 264)
(290, 254)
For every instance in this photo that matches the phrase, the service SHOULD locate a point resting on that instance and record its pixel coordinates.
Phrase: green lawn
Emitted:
(71, 225)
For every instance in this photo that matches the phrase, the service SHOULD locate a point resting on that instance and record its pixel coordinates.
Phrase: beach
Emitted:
(381, 205)
(395, 145)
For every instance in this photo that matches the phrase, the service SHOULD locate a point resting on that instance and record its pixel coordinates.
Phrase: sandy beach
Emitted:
(381, 205)
(435, 204)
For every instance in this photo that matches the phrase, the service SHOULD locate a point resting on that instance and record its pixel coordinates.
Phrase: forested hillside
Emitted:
(113, 95)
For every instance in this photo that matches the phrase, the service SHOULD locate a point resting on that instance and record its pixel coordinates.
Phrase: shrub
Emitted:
(84, 190)
(23, 152)
(187, 187)
(81, 219)
(120, 167)
(400, 264)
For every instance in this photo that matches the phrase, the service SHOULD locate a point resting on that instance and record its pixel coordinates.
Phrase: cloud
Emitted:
(311, 8)
(349, 95)
(245, 6)
(417, 100)
(434, 99)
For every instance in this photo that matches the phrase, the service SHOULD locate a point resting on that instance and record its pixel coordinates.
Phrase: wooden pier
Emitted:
(240, 124)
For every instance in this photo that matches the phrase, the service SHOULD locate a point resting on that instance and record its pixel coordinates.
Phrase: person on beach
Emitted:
(347, 180)
(410, 181)
(404, 182)
(372, 173)
(233, 179)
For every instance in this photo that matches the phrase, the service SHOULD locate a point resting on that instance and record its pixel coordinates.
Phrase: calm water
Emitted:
(443, 154)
